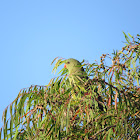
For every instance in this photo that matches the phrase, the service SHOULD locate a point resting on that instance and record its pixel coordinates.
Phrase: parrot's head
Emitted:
(73, 66)
(76, 71)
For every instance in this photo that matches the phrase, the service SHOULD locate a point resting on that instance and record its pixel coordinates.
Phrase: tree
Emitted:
(52, 112)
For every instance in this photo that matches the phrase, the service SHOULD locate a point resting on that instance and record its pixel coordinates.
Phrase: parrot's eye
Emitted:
(68, 62)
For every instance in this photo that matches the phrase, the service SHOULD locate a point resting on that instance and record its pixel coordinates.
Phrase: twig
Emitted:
(108, 127)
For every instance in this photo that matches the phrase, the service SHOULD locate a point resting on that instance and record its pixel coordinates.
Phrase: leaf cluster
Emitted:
(64, 111)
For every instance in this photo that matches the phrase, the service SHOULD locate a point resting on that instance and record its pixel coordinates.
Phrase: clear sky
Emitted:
(34, 32)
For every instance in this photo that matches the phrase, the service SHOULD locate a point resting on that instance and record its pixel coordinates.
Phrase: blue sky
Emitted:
(33, 33)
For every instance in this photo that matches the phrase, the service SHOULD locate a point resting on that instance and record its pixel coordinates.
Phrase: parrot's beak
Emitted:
(65, 66)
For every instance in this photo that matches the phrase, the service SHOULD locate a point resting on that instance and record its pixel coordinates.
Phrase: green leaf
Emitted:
(16, 133)
(126, 37)
(130, 35)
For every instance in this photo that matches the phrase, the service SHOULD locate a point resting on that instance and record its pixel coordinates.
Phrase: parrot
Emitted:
(77, 76)
(76, 71)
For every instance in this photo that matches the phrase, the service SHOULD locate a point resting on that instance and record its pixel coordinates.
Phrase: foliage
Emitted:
(63, 111)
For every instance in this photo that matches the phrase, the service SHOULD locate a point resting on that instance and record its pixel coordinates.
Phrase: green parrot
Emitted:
(76, 71)
(77, 76)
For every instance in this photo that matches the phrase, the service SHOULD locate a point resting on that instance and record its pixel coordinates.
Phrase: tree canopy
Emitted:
(60, 110)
